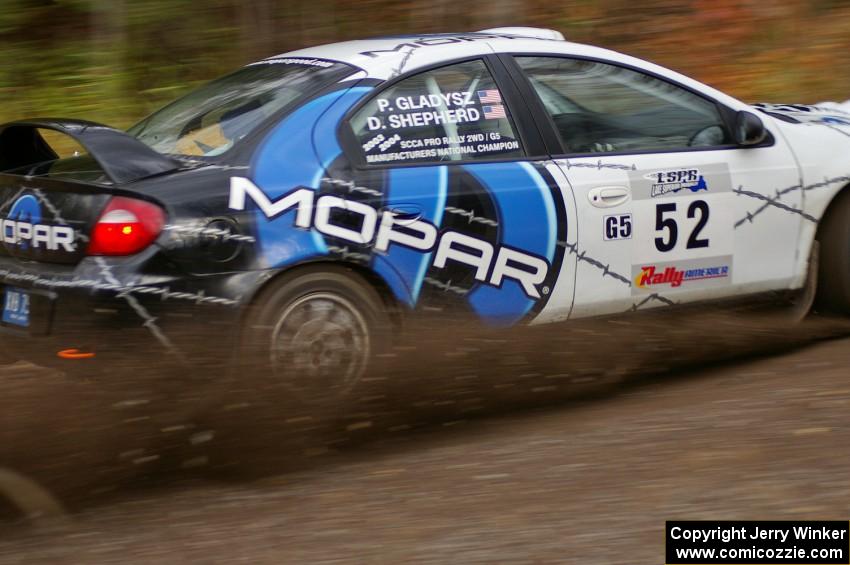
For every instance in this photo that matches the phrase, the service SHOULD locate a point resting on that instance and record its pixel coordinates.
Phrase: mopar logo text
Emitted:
(492, 265)
(22, 227)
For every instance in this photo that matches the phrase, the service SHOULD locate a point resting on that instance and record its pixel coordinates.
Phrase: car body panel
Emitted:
(821, 152)
(505, 239)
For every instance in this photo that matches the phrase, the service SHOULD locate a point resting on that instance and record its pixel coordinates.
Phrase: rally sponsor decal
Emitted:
(440, 148)
(680, 182)
(676, 180)
(681, 275)
(295, 61)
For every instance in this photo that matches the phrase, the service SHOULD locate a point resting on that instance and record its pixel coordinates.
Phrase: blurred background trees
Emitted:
(116, 60)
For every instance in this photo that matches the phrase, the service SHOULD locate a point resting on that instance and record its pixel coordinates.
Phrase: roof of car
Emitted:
(384, 57)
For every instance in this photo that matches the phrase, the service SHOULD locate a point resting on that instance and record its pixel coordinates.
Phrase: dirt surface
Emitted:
(586, 481)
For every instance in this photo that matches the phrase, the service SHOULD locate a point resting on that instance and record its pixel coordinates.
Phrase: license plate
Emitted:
(16, 307)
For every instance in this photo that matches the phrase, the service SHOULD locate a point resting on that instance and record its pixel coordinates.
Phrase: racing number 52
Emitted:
(698, 208)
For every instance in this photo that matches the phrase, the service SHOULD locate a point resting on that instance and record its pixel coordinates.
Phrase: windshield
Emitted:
(210, 120)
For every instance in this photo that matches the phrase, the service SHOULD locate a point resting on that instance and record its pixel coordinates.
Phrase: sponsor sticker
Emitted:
(680, 182)
(441, 148)
(294, 61)
(676, 180)
(664, 277)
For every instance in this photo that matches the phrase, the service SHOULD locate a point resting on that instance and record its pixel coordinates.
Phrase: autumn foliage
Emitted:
(116, 60)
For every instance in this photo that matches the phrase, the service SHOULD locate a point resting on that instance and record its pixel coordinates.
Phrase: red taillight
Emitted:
(125, 227)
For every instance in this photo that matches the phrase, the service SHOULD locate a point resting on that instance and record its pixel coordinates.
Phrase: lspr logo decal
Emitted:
(23, 227)
(703, 179)
(667, 182)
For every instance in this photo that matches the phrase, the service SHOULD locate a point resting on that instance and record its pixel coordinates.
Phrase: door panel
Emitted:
(692, 239)
(487, 239)
(484, 238)
(604, 237)
(659, 157)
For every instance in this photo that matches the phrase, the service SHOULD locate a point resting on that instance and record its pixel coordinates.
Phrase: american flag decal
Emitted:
(490, 96)
(494, 112)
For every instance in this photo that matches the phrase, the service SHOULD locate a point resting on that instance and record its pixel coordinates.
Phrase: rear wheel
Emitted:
(834, 264)
(315, 333)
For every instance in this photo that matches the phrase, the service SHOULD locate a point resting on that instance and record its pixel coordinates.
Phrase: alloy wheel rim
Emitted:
(320, 343)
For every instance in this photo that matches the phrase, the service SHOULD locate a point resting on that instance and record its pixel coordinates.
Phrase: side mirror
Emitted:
(749, 129)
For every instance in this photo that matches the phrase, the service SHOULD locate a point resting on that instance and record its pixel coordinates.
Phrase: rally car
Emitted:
(301, 210)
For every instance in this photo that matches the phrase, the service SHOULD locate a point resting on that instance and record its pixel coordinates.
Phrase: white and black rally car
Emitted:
(300, 209)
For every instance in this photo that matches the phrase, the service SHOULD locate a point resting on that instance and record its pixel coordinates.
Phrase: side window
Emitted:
(453, 113)
(599, 108)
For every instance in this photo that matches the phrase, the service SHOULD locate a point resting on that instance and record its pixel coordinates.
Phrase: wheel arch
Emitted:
(830, 289)
(396, 310)
(822, 208)
(830, 206)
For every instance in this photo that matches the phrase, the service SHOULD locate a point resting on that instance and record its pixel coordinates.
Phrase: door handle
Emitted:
(608, 196)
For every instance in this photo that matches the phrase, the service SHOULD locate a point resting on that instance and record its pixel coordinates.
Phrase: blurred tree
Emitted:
(116, 60)
(256, 27)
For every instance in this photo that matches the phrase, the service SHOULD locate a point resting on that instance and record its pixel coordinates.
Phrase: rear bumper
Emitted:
(119, 319)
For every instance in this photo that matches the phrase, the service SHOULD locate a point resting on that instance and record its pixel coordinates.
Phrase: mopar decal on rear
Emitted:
(23, 227)
(366, 225)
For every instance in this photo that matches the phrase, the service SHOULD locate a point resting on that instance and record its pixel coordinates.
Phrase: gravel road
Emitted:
(586, 481)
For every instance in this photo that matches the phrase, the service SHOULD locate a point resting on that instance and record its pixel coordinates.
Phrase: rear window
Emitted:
(210, 120)
(59, 156)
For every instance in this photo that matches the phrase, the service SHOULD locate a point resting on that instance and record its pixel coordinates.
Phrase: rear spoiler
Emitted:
(122, 157)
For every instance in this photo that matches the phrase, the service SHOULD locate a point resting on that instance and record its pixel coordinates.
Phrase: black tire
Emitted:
(803, 300)
(834, 263)
(315, 333)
